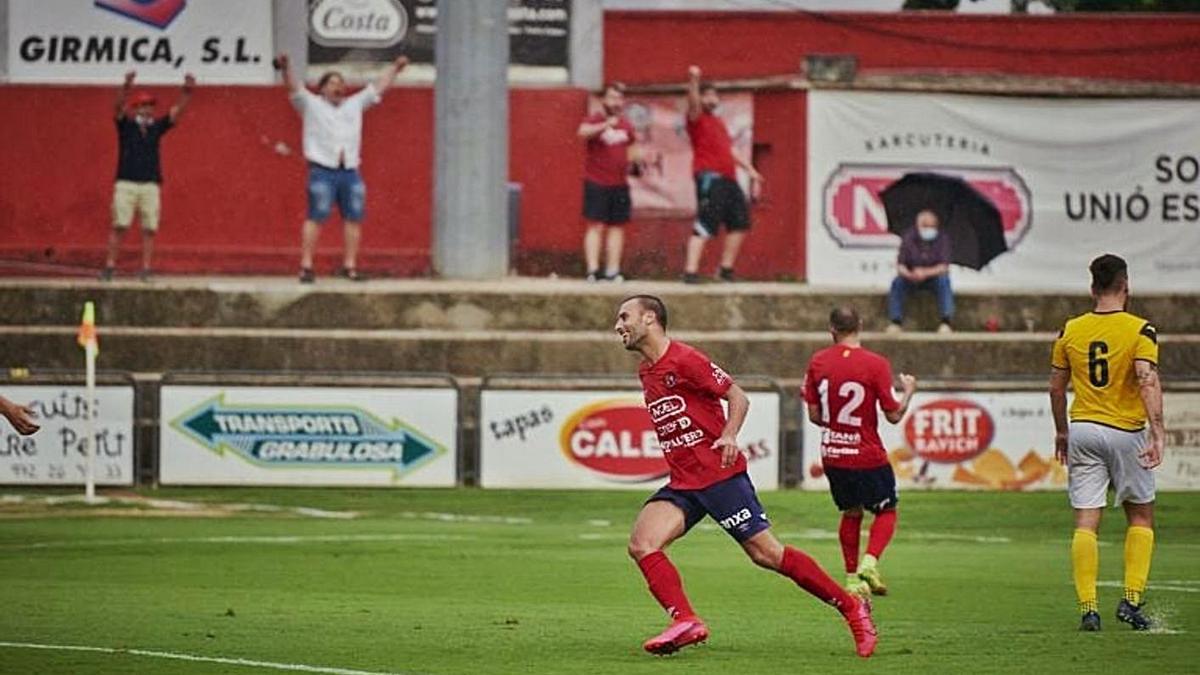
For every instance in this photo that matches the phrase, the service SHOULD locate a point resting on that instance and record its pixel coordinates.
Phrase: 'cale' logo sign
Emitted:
(855, 215)
(949, 430)
(614, 439)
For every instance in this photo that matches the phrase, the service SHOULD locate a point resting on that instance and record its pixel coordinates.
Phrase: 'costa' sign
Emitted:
(949, 430)
(855, 215)
(614, 439)
(358, 23)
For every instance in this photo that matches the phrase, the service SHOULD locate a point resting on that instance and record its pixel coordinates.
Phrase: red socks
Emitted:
(666, 585)
(807, 574)
(848, 534)
(882, 530)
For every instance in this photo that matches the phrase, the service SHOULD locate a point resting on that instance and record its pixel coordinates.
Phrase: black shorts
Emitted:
(733, 503)
(608, 204)
(871, 489)
(719, 201)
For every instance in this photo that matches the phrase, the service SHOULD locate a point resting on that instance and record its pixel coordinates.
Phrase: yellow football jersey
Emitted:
(1099, 349)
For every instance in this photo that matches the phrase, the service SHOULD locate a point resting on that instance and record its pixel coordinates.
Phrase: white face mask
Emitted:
(927, 233)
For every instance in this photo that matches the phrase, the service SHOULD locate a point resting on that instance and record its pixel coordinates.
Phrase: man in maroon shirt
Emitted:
(683, 393)
(719, 198)
(606, 204)
(842, 387)
(923, 264)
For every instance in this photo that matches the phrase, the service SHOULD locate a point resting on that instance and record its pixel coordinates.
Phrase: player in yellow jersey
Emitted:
(1110, 358)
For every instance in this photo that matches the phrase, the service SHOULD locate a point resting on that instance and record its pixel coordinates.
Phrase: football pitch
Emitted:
(472, 581)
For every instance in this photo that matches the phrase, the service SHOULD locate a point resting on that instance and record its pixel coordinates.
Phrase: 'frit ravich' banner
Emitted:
(1071, 179)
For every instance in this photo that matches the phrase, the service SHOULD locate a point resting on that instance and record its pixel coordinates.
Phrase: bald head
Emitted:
(844, 321)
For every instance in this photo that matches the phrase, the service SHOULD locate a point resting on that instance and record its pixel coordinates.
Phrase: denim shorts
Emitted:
(344, 187)
(732, 503)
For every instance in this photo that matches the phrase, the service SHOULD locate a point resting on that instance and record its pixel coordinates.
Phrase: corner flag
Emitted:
(87, 328)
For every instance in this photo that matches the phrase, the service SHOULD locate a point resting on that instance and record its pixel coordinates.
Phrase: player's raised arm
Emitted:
(1150, 390)
(185, 97)
(123, 95)
(693, 93)
(909, 385)
(739, 405)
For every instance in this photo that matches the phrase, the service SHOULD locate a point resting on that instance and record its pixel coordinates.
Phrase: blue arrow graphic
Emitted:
(279, 436)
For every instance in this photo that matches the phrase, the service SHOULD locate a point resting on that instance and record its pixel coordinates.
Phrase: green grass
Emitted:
(417, 595)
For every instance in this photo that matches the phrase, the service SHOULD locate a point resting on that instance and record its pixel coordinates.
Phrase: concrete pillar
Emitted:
(587, 44)
(470, 232)
(290, 33)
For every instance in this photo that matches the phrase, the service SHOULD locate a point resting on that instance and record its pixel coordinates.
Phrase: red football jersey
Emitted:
(607, 161)
(846, 383)
(683, 394)
(712, 149)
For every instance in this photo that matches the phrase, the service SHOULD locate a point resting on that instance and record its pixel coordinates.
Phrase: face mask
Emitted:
(145, 120)
(927, 233)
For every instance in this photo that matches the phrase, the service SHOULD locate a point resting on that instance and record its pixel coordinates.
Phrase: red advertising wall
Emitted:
(654, 47)
(232, 204)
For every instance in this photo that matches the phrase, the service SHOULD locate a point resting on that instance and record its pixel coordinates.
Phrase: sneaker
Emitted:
(725, 274)
(593, 276)
(870, 576)
(1090, 623)
(1131, 614)
(894, 328)
(678, 635)
(307, 276)
(352, 274)
(615, 277)
(691, 278)
(944, 328)
(146, 274)
(857, 586)
(862, 628)
(106, 274)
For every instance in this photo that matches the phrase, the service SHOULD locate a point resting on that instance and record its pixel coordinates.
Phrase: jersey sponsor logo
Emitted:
(665, 407)
(854, 214)
(614, 439)
(949, 430)
(719, 376)
(670, 380)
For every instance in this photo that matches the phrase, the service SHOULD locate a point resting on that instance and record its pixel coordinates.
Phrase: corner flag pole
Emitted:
(91, 347)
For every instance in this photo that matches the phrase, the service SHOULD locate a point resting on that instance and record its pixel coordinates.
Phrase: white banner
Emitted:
(307, 436)
(1180, 469)
(959, 440)
(84, 41)
(597, 439)
(1071, 179)
(56, 454)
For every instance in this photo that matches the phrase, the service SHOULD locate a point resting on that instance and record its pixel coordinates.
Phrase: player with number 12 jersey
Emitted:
(842, 388)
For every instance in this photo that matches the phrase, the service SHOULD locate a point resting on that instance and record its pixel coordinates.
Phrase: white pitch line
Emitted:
(249, 663)
(230, 539)
(1154, 586)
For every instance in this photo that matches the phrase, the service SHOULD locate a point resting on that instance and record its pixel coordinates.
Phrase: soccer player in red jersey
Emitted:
(719, 198)
(607, 206)
(842, 387)
(683, 392)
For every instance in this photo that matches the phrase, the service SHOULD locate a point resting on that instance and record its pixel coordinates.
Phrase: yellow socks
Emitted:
(1085, 565)
(1139, 546)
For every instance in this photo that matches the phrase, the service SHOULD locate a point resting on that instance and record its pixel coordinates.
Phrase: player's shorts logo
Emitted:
(614, 440)
(853, 210)
(949, 430)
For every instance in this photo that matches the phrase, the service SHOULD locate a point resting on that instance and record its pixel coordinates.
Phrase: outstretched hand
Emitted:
(21, 417)
(129, 76)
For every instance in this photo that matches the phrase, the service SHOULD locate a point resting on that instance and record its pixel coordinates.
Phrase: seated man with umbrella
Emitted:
(940, 220)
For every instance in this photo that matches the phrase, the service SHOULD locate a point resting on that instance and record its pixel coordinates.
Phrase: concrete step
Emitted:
(524, 304)
(779, 354)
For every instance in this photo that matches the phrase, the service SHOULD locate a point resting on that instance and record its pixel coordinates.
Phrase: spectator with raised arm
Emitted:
(139, 170)
(332, 147)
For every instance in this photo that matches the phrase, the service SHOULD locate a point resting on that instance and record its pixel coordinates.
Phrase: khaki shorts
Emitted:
(129, 197)
(1098, 455)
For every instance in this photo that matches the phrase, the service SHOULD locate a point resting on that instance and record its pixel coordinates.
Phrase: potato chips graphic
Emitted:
(992, 469)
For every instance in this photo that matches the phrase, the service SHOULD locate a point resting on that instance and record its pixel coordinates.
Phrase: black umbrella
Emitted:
(970, 219)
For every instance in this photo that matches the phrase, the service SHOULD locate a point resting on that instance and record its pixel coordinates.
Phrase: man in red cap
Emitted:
(139, 173)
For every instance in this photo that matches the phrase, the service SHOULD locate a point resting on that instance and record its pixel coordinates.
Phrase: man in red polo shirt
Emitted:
(606, 204)
(719, 198)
